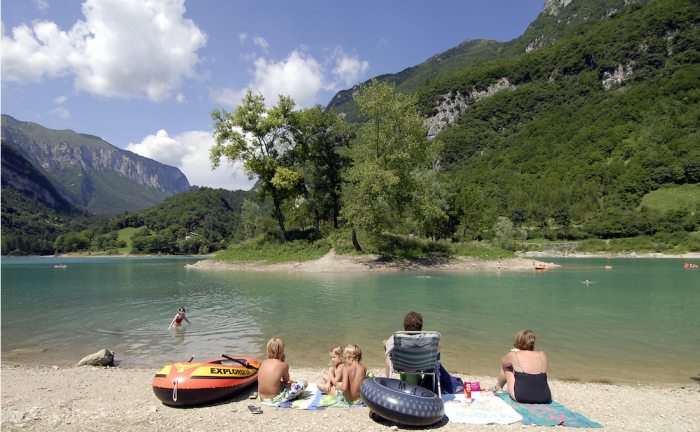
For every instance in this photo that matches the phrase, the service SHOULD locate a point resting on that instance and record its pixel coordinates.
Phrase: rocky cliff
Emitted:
(92, 173)
(20, 174)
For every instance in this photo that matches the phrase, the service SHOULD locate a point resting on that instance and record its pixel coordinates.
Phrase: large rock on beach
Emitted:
(103, 357)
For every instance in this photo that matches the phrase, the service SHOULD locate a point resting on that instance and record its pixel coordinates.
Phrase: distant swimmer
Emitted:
(587, 281)
(178, 318)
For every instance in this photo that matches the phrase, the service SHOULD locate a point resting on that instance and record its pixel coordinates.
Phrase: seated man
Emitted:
(412, 322)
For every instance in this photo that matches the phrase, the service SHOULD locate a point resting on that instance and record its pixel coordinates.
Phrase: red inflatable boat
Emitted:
(188, 383)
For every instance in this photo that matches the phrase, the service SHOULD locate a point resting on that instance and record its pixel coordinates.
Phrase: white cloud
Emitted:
(61, 112)
(299, 76)
(226, 96)
(349, 69)
(262, 43)
(124, 48)
(243, 38)
(59, 100)
(181, 98)
(189, 152)
(42, 4)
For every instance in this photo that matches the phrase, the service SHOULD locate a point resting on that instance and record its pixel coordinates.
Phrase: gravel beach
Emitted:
(121, 399)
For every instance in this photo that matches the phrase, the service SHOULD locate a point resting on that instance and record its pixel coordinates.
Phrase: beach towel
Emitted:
(307, 401)
(331, 401)
(550, 414)
(486, 408)
(314, 399)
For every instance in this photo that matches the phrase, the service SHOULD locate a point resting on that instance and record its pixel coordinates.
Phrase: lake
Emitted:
(635, 322)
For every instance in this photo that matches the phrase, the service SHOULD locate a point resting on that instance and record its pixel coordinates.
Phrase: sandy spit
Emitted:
(120, 399)
(333, 263)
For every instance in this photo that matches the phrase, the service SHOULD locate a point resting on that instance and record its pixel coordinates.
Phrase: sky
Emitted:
(144, 75)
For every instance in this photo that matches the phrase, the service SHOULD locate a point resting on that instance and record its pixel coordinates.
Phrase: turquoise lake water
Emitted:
(635, 322)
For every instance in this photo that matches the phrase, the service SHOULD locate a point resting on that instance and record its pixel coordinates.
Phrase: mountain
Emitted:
(92, 173)
(584, 127)
(558, 18)
(33, 212)
(18, 173)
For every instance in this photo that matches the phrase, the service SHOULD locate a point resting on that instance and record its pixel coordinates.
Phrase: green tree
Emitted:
(504, 232)
(472, 205)
(323, 135)
(562, 215)
(251, 216)
(389, 148)
(259, 138)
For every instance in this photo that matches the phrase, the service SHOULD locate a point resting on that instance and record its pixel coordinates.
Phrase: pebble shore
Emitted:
(39, 398)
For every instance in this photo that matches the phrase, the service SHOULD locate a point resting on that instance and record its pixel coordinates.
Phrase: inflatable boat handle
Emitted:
(245, 364)
(175, 391)
(190, 360)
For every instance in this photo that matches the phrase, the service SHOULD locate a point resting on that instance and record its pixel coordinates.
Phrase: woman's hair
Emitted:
(182, 309)
(353, 351)
(525, 340)
(337, 350)
(275, 348)
(413, 322)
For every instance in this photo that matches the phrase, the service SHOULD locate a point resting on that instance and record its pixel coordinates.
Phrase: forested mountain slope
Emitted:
(33, 212)
(92, 173)
(197, 221)
(558, 18)
(584, 127)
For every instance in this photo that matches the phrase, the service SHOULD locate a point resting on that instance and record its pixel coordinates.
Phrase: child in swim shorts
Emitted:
(274, 385)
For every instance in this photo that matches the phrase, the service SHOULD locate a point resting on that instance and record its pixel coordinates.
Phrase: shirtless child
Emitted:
(352, 376)
(274, 385)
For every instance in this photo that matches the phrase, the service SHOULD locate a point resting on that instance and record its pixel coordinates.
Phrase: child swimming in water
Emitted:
(332, 378)
(179, 317)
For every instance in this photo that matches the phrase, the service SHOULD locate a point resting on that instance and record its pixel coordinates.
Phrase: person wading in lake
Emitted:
(178, 318)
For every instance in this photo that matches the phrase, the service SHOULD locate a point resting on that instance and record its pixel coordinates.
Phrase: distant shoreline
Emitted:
(351, 263)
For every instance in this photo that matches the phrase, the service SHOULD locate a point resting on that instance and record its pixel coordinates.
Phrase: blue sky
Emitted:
(144, 75)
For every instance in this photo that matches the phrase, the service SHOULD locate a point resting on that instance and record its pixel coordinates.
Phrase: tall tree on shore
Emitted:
(389, 148)
(323, 136)
(259, 138)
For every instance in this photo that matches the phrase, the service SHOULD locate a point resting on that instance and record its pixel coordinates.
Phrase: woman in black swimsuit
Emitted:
(525, 371)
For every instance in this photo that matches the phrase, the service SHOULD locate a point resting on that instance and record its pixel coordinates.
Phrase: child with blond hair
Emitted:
(351, 378)
(274, 385)
(332, 378)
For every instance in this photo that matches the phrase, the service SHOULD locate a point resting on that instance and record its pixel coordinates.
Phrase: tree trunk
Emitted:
(336, 212)
(283, 232)
(316, 217)
(354, 241)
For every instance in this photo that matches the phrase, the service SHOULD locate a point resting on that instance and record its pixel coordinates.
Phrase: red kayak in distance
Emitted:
(187, 383)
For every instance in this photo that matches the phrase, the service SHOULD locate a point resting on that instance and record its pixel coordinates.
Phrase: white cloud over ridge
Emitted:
(189, 152)
(123, 48)
(299, 75)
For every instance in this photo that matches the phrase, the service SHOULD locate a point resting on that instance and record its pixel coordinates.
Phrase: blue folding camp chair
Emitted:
(416, 353)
